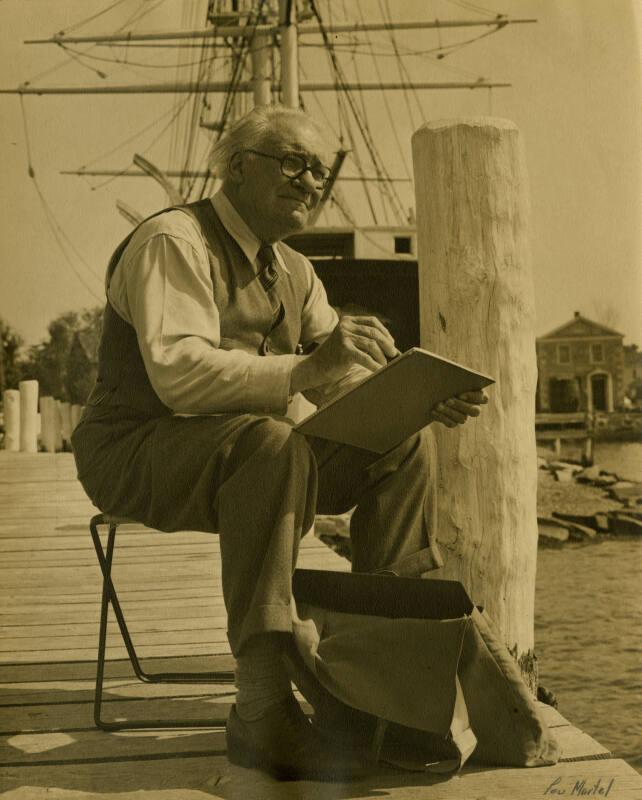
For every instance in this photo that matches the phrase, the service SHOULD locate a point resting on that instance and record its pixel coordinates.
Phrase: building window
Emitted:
(403, 244)
(563, 354)
(597, 353)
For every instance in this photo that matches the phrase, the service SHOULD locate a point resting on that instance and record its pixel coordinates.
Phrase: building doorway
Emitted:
(599, 392)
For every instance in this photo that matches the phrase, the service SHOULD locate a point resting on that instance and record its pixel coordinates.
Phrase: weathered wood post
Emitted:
(48, 415)
(28, 416)
(65, 422)
(11, 411)
(477, 307)
(58, 426)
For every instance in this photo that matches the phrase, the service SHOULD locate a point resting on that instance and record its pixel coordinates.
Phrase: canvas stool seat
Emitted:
(110, 598)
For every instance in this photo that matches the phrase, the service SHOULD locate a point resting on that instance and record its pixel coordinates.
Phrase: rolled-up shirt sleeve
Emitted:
(318, 320)
(165, 291)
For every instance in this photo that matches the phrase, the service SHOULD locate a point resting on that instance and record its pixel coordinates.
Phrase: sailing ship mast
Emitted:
(252, 33)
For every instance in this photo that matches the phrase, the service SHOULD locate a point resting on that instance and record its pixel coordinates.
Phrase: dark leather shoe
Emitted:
(284, 744)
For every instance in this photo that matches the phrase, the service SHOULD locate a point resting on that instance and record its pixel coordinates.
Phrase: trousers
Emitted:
(258, 484)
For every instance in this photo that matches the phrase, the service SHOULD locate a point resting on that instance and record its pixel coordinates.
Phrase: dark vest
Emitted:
(244, 309)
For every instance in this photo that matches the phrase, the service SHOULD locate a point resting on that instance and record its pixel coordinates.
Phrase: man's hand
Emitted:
(457, 410)
(355, 340)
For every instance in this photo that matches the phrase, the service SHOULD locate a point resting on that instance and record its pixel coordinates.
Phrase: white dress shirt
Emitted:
(162, 287)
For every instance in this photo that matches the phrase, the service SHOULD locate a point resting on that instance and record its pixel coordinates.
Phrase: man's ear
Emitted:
(235, 167)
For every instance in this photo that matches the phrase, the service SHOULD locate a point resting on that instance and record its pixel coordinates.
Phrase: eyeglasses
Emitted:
(294, 165)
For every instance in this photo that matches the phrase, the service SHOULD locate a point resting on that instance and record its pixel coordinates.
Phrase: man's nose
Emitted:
(307, 182)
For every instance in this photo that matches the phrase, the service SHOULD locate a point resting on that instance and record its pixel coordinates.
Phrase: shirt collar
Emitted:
(240, 231)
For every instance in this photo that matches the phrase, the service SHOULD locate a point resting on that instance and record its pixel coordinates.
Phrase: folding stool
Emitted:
(109, 597)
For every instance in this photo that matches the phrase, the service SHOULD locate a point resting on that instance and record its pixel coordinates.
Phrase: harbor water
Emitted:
(588, 626)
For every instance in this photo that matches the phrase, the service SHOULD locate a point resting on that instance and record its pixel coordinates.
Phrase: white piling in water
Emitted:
(11, 405)
(28, 416)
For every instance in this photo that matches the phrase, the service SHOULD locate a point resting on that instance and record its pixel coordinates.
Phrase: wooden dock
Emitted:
(170, 588)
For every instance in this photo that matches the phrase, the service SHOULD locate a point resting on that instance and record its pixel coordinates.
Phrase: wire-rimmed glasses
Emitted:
(293, 165)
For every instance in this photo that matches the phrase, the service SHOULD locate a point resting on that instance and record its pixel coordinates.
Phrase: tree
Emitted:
(10, 344)
(49, 362)
(82, 359)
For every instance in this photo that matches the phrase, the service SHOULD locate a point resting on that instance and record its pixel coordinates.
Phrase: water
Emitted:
(588, 622)
(622, 458)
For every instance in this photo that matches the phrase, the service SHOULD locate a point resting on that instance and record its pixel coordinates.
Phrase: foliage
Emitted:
(64, 365)
(10, 344)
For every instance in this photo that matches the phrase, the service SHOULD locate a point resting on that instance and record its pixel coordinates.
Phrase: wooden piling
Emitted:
(477, 307)
(48, 415)
(11, 411)
(65, 421)
(28, 416)
(58, 426)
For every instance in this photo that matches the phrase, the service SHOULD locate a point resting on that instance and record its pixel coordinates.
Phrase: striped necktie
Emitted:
(267, 261)
(268, 276)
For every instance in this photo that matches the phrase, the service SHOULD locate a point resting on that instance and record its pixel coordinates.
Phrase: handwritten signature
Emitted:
(582, 788)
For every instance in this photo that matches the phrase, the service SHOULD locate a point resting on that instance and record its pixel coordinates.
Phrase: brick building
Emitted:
(581, 368)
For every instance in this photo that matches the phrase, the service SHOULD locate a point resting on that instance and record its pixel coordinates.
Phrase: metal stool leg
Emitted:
(109, 597)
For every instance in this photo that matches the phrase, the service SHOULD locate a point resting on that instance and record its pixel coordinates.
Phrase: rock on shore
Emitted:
(562, 488)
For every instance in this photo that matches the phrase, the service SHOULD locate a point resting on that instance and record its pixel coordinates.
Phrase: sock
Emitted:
(260, 677)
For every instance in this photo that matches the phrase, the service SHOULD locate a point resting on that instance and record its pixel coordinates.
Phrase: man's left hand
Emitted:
(457, 410)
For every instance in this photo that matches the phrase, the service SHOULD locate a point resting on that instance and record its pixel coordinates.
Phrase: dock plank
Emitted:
(49, 605)
(189, 776)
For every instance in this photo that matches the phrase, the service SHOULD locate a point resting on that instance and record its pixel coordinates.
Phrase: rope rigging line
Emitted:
(146, 64)
(193, 128)
(53, 68)
(203, 70)
(409, 53)
(53, 223)
(82, 22)
(385, 99)
(78, 58)
(364, 112)
(324, 113)
(140, 13)
(84, 53)
(344, 115)
(387, 189)
(242, 54)
(149, 146)
(456, 46)
(191, 183)
(337, 91)
(401, 66)
(180, 133)
(363, 128)
(388, 186)
(129, 139)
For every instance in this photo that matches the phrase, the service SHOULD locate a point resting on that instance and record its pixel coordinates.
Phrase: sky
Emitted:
(575, 94)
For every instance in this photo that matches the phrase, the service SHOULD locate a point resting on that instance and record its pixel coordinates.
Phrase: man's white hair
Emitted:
(252, 131)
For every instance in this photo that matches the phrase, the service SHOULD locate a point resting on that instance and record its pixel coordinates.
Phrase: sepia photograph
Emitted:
(320, 399)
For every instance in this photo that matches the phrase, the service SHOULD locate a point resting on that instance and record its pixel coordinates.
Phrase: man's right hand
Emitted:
(355, 340)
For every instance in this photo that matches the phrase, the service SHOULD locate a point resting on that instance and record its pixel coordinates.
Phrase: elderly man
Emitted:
(211, 325)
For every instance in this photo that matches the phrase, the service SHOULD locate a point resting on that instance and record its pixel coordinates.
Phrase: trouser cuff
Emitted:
(414, 565)
(262, 619)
